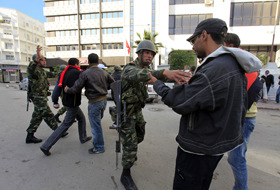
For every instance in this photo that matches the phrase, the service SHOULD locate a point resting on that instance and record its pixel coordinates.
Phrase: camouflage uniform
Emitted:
(39, 90)
(61, 111)
(134, 93)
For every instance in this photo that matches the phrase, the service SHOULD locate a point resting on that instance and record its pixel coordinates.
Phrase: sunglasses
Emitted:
(193, 40)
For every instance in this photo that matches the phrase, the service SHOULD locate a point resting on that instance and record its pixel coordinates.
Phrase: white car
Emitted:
(23, 84)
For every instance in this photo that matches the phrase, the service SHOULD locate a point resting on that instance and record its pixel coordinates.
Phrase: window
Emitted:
(185, 24)
(254, 13)
(10, 57)
(178, 2)
(261, 51)
(9, 46)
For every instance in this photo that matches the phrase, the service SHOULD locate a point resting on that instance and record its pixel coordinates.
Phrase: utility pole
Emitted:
(271, 51)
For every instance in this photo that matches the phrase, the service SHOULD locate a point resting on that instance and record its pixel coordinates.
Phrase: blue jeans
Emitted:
(278, 94)
(71, 114)
(95, 114)
(237, 157)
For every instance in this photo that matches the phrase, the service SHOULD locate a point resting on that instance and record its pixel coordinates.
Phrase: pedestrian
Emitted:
(278, 91)
(62, 110)
(117, 72)
(102, 66)
(269, 80)
(38, 93)
(237, 157)
(213, 105)
(96, 82)
(71, 102)
(134, 92)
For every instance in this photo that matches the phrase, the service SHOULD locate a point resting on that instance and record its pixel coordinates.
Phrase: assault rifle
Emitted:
(118, 115)
(28, 98)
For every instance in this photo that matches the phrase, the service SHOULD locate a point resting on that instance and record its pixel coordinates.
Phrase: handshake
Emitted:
(56, 106)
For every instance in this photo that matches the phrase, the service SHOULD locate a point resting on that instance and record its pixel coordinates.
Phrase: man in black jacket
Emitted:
(117, 72)
(97, 82)
(269, 80)
(213, 105)
(71, 103)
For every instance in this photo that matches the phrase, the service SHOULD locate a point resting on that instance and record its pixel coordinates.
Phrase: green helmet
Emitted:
(35, 56)
(117, 68)
(61, 68)
(147, 45)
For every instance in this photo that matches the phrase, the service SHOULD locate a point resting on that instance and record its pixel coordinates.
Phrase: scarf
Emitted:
(63, 73)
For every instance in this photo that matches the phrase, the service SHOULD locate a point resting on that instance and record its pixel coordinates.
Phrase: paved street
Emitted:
(24, 167)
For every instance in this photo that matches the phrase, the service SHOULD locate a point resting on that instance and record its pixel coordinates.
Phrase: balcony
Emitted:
(112, 6)
(112, 38)
(61, 40)
(6, 36)
(112, 22)
(90, 39)
(89, 8)
(93, 23)
(62, 54)
(49, 26)
(61, 10)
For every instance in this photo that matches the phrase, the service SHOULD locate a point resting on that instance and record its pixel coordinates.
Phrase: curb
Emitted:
(269, 108)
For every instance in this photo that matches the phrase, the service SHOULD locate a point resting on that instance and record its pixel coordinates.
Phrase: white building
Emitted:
(19, 36)
(104, 26)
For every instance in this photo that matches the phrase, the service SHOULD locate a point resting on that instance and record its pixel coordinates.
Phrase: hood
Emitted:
(246, 60)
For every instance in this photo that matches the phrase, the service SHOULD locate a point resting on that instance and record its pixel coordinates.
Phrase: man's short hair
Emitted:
(232, 38)
(93, 58)
(193, 68)
(73, 61)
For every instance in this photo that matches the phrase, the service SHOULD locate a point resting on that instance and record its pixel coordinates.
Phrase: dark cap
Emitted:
(117, 68)
(211, 26)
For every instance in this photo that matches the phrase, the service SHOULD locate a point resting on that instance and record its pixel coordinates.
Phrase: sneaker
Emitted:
(93, 151)
(46, 152)
(87, 139)
(276, 102)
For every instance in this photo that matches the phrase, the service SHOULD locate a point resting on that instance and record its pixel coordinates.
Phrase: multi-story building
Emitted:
(76, 28)
(19, 36)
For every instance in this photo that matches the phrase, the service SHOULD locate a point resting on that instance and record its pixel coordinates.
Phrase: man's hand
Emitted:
(152, 79)
(65, 88)
(56, 106)
(39, 49)
(178, 76)
(264, 100)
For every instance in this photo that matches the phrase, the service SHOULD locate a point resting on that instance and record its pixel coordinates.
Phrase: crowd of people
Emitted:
(217, 102)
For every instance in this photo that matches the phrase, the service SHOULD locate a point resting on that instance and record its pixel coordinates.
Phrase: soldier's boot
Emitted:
(57, 118)
(127, 180)
(32, 139)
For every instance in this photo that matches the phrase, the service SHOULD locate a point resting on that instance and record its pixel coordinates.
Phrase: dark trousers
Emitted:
(194, 172)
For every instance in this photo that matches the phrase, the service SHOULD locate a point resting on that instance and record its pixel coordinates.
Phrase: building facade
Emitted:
(76, 28)
(19, 36)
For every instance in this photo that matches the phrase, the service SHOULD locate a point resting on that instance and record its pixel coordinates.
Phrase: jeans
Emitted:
(267, 88)
(278, 94)
(95, 114)
(71, 114)
(194, 172)
(237, 157)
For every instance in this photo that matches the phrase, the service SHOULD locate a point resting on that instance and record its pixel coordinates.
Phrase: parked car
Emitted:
(23, 84)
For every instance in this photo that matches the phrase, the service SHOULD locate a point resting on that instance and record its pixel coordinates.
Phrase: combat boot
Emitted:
(127, 180)
(31, 139)
(57, 118)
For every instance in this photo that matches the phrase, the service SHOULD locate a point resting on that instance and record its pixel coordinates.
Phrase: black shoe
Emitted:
(46, 152)
(87, 139)
(57, 118)
(93, 151)
(31, 139)
(64, 134)
(128, 182)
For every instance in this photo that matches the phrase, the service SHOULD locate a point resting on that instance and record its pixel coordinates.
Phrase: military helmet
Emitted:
(61, 68)
(117, 68)
(35, 56)
(146, 45)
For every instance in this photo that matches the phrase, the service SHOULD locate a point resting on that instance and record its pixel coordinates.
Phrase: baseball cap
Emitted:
(101, 66)
(117, 68)
(211, 26)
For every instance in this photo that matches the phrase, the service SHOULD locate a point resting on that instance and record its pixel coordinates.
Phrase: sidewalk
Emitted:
(270, 104)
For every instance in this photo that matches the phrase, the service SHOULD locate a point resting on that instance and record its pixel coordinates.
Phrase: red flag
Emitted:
(127, 46)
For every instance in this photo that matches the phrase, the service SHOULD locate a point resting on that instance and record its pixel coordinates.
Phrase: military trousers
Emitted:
(41, 112)
(132, 133)
(61, 111)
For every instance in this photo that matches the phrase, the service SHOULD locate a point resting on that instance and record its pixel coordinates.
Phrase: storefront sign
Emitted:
(11, 70)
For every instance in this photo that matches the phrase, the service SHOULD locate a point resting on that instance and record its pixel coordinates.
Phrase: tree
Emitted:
(263, 58)
(178, 59)
(56, 68)
(148, 35)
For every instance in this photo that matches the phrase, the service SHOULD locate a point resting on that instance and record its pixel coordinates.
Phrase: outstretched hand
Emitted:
(152, 79)
(178, 76)
(65, 88)
(39, 49)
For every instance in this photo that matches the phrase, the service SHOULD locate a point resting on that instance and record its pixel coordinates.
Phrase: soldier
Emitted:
(62, 110)
(39, 90)
(134, 77)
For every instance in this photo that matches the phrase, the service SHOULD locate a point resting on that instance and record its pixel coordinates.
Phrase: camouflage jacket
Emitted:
(37, 79)
(134, 88)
